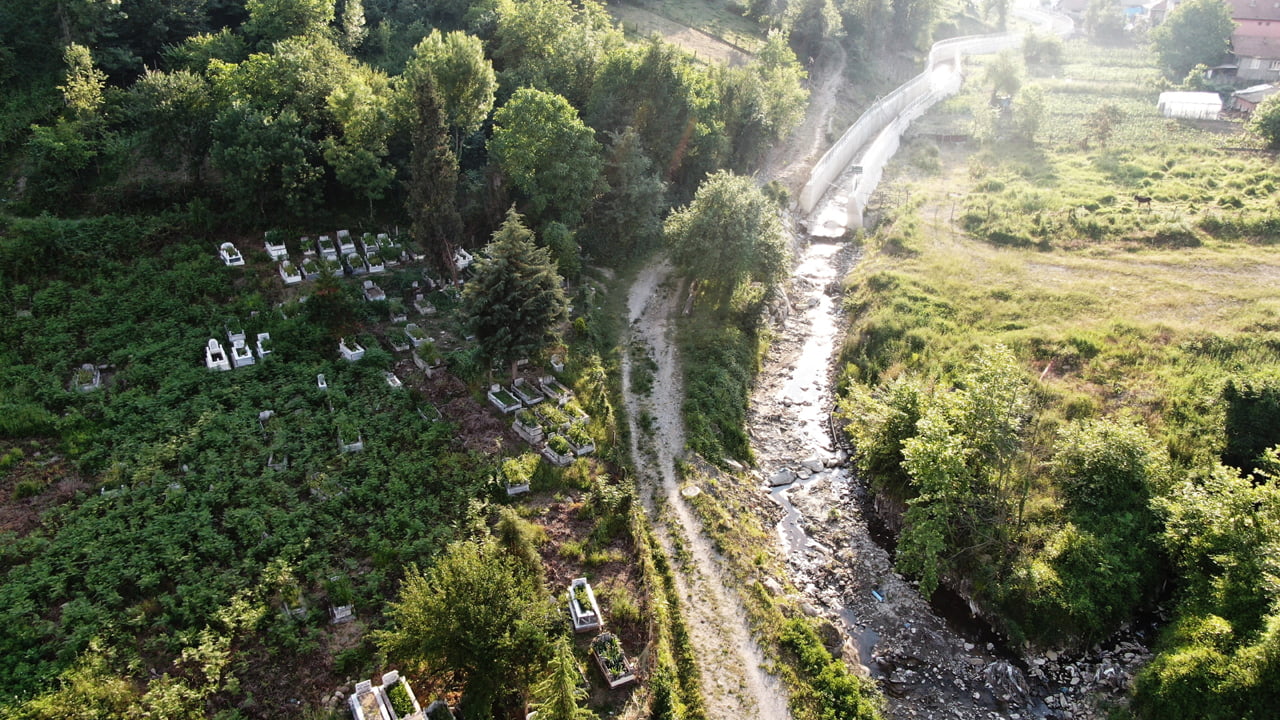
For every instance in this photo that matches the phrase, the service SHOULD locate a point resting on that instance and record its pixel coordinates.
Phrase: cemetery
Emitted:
(392, 699)
(411, 338)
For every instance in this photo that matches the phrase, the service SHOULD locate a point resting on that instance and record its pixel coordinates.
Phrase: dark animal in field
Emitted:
(1142, 200)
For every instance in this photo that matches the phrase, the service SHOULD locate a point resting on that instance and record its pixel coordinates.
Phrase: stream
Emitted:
(931, 659)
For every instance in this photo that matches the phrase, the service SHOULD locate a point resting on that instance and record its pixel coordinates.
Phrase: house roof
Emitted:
(1255, 9)
(1257, 93)
(1259, 47)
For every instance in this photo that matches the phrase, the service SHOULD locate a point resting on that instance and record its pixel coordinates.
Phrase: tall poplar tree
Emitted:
(432, 198)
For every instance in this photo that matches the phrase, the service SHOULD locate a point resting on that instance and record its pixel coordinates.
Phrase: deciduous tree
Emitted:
(540, 143)
(273, 20)
(464, 78)
(1266, 121)
(627, 219)
(477, 616)
(1197, 31)
(730, 232)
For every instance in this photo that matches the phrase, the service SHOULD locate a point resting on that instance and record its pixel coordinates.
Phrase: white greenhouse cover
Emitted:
(1195, 105)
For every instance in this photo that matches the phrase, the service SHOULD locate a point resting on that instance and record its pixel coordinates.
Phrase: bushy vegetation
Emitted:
(1066, 403)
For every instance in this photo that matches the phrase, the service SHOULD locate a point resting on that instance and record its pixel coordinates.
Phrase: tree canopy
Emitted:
(1266, 121)
(1196, 32)
(464, 78)
(477, 615)
(514, 299)
(542, 145)
(730, 232)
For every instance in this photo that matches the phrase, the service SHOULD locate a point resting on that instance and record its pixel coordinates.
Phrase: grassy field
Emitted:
(1118, 316)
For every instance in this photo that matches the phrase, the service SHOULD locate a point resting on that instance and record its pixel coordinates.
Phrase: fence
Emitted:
(877, 131)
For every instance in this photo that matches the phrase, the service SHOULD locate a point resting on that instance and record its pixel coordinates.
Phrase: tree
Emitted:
(1101, 123)
(552, 45)
(432, 198)
(670, 100)
(762, 102)
(1004, 74)
(1266, 121)
(997, 9)
(1104, 21)
(515, 299)
(1029, 111)
(816, 22)
(540, 143)
(1107, 466)
(627, 219)
(478, 617)
(273, 20)
(1222, 654)
(911, 18)
(266, 159)
(730, 232)
(83, 83)
(1197, 31)
(557, 696)
(353, 29)
(176, 110)
(464, 79)
(960, 465)
(361, 105)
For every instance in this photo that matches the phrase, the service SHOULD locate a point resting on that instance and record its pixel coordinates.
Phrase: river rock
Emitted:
(813, 465)
(782, 477)
(773, 586)
(831, 638)
(1007, 681)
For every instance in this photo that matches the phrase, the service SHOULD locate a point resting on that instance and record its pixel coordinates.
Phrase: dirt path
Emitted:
(704, 46)
(734, 683)
(790, 162)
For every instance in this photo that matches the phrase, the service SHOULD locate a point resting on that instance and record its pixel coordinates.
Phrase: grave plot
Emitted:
(583, 609)
(612, 661)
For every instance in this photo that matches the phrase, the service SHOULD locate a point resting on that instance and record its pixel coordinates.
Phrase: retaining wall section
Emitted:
(875, 135)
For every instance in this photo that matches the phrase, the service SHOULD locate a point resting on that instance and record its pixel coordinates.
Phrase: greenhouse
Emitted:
(1190, 105)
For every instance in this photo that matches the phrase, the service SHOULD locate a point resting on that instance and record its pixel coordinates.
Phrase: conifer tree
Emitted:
(514, 301)
(432, 202)
(556, 697)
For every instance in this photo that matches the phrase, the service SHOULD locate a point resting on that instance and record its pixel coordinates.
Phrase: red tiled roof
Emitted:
(1259, 47)
(1255, 9)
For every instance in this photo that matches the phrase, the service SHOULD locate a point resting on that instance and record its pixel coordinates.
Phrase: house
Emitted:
(231, 257)
(215, 358)
(1256, 39)
(1257, 58)
(1246, 100)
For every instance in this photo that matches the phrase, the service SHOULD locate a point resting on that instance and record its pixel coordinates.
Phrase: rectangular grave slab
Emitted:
(585, 615)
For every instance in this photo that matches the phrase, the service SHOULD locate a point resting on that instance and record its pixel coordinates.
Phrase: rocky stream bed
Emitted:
(932, 661)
